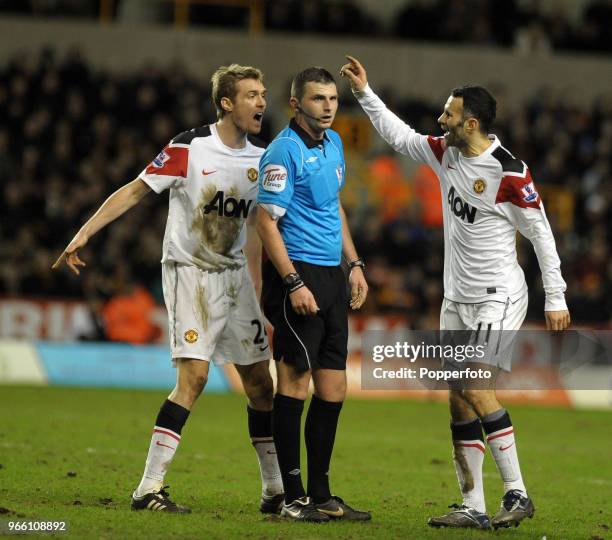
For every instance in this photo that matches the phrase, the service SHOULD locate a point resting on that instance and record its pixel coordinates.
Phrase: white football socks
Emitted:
(503, 449)
(468, 457)
(161, 451)
(271, 480)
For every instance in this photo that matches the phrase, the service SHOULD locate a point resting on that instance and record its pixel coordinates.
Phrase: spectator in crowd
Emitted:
(527, 24)
(85, 121)
(492, 22)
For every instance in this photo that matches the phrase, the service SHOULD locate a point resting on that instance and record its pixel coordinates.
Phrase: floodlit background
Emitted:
(90, 91)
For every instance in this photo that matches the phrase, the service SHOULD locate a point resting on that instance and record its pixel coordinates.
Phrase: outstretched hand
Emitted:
(355, 73)
(70, 255)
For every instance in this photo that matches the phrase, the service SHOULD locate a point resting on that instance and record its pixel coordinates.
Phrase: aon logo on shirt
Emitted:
(228, 206)
(459, 207)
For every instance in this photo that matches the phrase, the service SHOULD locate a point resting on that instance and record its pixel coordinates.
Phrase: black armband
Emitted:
(293, 282)
(357, 262)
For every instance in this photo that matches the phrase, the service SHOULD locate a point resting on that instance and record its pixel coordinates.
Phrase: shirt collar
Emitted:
(494, 144)
(303, 134)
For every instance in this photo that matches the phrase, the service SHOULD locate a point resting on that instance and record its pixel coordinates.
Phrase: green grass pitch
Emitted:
(75, 455)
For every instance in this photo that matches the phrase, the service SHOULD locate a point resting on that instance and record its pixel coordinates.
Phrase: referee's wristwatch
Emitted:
(357, 262)
(293, 282)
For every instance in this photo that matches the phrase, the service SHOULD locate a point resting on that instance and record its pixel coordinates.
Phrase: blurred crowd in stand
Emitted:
(71, 135)
(529, 25)
(483, 22)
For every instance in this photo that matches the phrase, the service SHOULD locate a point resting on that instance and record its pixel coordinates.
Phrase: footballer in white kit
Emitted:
(208, 260)
(213, 309)
(487, 195)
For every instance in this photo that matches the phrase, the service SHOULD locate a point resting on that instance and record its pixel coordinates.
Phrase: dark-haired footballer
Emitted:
(304, 230)
(487, 195)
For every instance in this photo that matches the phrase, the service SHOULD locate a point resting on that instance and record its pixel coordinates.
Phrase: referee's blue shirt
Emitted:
(304, 176)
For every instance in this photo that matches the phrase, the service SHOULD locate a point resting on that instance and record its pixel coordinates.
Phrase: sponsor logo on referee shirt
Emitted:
(274, 178)
(191, 336)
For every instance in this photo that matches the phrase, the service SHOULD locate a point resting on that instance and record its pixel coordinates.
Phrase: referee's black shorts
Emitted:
(313, 341)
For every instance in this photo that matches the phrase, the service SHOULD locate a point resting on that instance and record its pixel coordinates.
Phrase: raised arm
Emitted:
(116, 205)
(399, 135)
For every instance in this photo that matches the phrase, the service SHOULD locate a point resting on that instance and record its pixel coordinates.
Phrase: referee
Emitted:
(304, 232)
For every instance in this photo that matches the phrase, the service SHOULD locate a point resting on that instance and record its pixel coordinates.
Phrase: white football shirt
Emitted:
(212, 191)
(485, 200)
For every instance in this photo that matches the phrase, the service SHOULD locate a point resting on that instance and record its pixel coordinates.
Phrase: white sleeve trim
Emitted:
(555, 301)
(152, 185)
(275, 211)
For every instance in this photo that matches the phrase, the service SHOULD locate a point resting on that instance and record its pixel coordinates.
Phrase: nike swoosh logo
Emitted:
(333, 513)
(270, 452)
(450, 166)
(206, 173)
(263, 348)
(504, 448)
(162, 444)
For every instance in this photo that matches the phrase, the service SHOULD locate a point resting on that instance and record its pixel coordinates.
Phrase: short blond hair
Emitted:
(224, 82)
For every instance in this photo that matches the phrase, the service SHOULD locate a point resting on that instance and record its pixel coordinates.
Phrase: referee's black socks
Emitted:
(320, 434)
(286, 426)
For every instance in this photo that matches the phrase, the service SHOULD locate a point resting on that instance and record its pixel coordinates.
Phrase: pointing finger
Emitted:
(59, 260)
(346, 71)
(354, 61)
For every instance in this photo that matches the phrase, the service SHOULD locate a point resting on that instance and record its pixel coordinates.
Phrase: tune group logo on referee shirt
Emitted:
(275, 178)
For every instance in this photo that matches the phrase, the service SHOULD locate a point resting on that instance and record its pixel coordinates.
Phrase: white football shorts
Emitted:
(493, 325)
(214, 316)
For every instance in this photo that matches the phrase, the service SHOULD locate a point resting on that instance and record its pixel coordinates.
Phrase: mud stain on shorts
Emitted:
(232, 293)
(201, 306)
